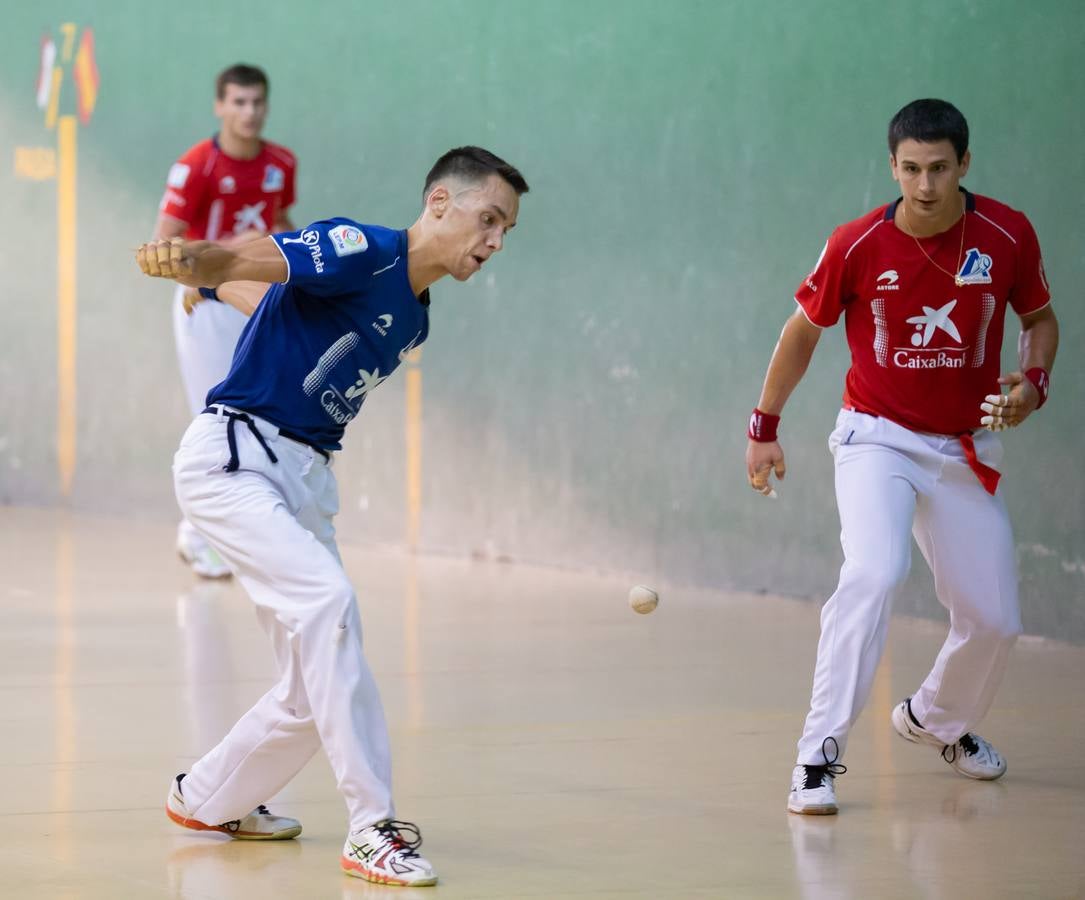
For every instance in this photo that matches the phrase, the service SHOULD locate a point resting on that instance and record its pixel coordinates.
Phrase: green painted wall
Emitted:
(585, 400)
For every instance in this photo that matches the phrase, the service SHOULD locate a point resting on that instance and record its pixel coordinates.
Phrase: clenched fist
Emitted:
(174, 258)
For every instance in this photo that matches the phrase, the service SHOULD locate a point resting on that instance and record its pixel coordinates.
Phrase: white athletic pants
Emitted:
(892, 483)
(272, 522)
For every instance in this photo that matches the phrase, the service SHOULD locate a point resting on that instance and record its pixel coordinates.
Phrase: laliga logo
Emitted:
(311, 239)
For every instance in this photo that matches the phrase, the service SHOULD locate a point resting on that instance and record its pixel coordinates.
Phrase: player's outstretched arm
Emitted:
(1036, 348)
(205, 264)
(789, 362)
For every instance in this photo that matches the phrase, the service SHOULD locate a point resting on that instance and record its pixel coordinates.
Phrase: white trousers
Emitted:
(892, 483)
(272, 523)
(205, 345)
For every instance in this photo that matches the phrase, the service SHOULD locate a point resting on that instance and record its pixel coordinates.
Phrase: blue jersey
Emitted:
(340, 324)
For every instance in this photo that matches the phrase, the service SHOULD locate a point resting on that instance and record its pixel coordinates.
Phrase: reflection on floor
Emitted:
(550, 743)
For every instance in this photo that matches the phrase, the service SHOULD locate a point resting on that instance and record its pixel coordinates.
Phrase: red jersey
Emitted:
(215, 194)
(925, 350)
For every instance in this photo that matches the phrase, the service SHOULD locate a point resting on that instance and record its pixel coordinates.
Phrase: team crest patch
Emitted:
(274, 179)
(178, 175)
(976, 268)
(347, 239)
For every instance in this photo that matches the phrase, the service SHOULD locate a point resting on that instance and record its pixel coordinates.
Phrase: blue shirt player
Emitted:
(253, 473)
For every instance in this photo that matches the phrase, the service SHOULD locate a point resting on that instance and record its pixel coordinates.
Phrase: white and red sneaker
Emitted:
(381, 854)
(259, 825)
(969, 755)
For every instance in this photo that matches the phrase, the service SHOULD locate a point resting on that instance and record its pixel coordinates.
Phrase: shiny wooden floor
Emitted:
(550, 742)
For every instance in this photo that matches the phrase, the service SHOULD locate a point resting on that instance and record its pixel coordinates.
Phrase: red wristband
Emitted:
(1041, 381)
(762, 427)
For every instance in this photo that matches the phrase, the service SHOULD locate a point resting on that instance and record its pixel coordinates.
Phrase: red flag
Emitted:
(86, 76)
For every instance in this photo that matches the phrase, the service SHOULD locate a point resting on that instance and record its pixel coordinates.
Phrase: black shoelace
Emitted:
(816, 775)
(967, 743)
(393, 830)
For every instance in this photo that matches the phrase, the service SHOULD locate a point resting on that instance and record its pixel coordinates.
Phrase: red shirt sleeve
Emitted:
(822, 294)
(1030, 290)
(184, 186)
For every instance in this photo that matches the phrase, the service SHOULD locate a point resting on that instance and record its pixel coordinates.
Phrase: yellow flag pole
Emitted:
(66, 301)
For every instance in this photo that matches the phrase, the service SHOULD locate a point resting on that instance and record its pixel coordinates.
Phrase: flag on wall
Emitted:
(45, 73)
(86, 76)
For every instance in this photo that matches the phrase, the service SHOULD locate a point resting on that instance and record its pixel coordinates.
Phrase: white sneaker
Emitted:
(971, 755)
(259, 825)
(812, 792)
(381, 854)
(975, 757)
(195, 551)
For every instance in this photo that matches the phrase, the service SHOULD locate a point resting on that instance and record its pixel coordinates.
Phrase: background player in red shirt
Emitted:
(230, 188)
(923, 284)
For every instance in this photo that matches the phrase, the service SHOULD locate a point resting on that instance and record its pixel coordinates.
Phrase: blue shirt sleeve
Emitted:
(327, 258)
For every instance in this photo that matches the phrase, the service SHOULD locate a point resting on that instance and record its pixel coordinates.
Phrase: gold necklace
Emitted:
(957, 280)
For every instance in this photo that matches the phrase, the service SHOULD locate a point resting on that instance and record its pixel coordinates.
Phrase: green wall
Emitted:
(585, 400)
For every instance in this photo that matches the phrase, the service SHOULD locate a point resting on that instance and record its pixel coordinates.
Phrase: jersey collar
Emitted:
(215, 143)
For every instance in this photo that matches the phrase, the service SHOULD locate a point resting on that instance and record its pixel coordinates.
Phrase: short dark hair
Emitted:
(243, 76)
(473, 164)
(929, 121)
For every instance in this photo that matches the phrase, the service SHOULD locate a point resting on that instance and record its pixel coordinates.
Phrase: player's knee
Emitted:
(878, 578)
(999, 628)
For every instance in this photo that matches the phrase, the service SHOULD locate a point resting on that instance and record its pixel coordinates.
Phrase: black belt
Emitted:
(234, 464)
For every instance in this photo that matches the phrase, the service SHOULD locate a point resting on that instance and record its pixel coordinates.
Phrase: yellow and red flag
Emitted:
(86, 76)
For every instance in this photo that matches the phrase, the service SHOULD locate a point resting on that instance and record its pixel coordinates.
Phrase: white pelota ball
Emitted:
(643, 599)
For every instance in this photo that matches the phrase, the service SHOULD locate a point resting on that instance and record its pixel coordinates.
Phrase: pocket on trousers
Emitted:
(851, 428)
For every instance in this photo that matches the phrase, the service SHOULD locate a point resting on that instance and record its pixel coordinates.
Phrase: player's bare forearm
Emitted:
(244, 296)
(236, 240)
(205, 264)
(789, 362)
(1039, 340)
(1036, 348)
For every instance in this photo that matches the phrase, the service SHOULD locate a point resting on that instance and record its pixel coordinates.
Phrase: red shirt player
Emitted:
(231, 188)
(923, 284)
